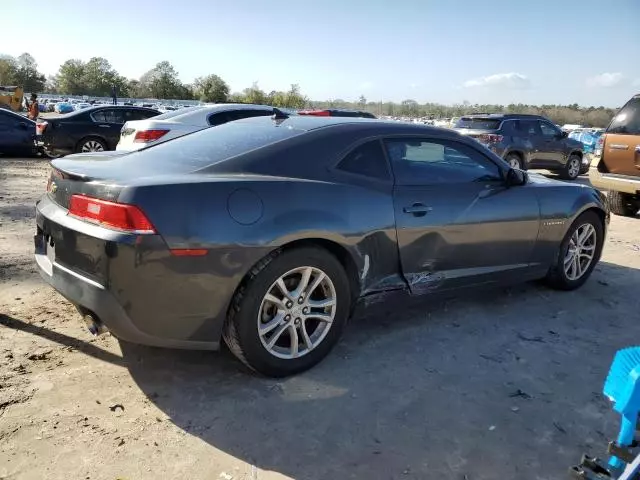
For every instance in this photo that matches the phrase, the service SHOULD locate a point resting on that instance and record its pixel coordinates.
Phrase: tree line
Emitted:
(96, 77)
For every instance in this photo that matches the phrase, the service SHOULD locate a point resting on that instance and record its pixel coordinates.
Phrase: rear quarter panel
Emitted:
(241, 220)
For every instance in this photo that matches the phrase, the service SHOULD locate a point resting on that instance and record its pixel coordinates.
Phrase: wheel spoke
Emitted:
(293, 333)
(304, 282)
(323, 317)
(305, 336)
(316, 281)
(277, 334)
(275, 301)
(271, 324)
(283, 288)
(576, 261)
(588, 247)
(568, 258)
(328, 302)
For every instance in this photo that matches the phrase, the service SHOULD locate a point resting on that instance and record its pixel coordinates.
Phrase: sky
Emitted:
(443, 51)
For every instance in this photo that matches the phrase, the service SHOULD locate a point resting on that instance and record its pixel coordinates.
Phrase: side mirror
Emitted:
(516, 177)
(563, 134)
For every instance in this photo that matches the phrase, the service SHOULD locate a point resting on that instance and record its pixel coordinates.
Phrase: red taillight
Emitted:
(145, 136)
(41, 127)
(315, 113)
(120, 216)
(490, 138)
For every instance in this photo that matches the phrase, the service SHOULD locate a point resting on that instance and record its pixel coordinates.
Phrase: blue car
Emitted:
(588, 137)
(63, 107)
(17, 134)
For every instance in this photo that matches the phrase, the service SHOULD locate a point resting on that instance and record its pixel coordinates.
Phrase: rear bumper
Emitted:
(616, 183)
(130, 314)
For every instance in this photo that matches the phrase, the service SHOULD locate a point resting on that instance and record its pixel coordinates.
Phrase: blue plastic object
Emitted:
(623, 389)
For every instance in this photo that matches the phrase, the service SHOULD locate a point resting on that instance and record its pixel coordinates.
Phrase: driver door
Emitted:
(458, 223)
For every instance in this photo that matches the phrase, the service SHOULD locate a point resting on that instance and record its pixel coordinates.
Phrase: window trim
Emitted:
(335, 169)
(442, 140)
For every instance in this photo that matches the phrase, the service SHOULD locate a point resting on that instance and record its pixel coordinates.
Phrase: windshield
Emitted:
(478, 123)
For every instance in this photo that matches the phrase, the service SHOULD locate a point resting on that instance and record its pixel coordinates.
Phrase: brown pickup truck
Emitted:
(615, 166)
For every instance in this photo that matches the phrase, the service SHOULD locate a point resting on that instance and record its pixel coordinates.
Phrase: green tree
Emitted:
(254, 95)
(27, 75)
(8, 70)
(162, 82)
(99, 77)
(211, 88)
(71, 78)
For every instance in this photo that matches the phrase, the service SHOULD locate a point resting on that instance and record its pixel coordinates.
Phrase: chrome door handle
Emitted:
(104, 126)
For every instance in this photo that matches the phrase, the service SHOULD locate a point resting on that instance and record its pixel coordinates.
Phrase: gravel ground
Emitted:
(502, 384)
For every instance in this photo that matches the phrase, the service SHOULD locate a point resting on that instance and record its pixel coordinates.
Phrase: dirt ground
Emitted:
(503, 384)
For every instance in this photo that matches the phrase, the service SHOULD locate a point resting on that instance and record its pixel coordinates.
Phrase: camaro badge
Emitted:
(53, 188)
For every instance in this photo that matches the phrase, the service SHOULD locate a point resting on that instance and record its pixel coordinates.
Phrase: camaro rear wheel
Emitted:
(579, 252)
(290, 312)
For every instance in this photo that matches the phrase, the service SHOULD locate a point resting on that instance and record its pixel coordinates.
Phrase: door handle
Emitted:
(104, 126)
(417, 209)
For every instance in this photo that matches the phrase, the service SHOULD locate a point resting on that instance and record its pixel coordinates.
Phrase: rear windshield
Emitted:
(627, 121)
(175, 113)
(478, 123)
(212, 145)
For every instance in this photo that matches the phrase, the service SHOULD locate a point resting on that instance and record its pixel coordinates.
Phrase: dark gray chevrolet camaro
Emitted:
(265, 232)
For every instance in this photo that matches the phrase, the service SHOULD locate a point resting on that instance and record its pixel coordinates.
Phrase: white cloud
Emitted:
(606, 80)
(414, 85)
(503, 80)
(366, 85)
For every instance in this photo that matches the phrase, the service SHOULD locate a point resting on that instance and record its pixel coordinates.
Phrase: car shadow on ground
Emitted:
(499, 384)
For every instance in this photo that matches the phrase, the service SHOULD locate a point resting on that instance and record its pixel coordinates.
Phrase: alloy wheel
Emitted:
(574, 167)
(580, 252)
(297, 312)
(92, 146)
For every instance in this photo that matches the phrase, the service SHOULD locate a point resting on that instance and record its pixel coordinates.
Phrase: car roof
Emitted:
(100, 107)
(375, 126)
(504, 116)
(16, 115)
(198, 114)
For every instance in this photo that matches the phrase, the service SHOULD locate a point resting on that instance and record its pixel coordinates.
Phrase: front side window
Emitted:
(548, 130)
(529, 127)
(366, 159)
(435, 162)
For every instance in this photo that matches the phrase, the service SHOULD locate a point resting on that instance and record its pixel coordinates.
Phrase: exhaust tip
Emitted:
(95, 326)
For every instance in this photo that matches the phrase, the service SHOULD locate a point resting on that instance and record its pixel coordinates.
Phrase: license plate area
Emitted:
(44, 245)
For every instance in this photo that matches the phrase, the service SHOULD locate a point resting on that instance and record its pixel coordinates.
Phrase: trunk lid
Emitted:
(70, 176)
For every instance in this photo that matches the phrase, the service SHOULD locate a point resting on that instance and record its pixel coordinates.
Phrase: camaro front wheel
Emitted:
(578, 254)
(290, 312)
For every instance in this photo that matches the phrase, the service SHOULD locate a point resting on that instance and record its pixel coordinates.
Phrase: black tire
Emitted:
(557, 277)
(86, 140)
(623, 204)
(514, 158)
(240, 330)
(572, 168)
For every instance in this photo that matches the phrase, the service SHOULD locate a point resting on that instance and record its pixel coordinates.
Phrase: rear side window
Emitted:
(529, 127)
(627, 121)
(367, 159)
(477, 123)
(219, 118)
(139, 114)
